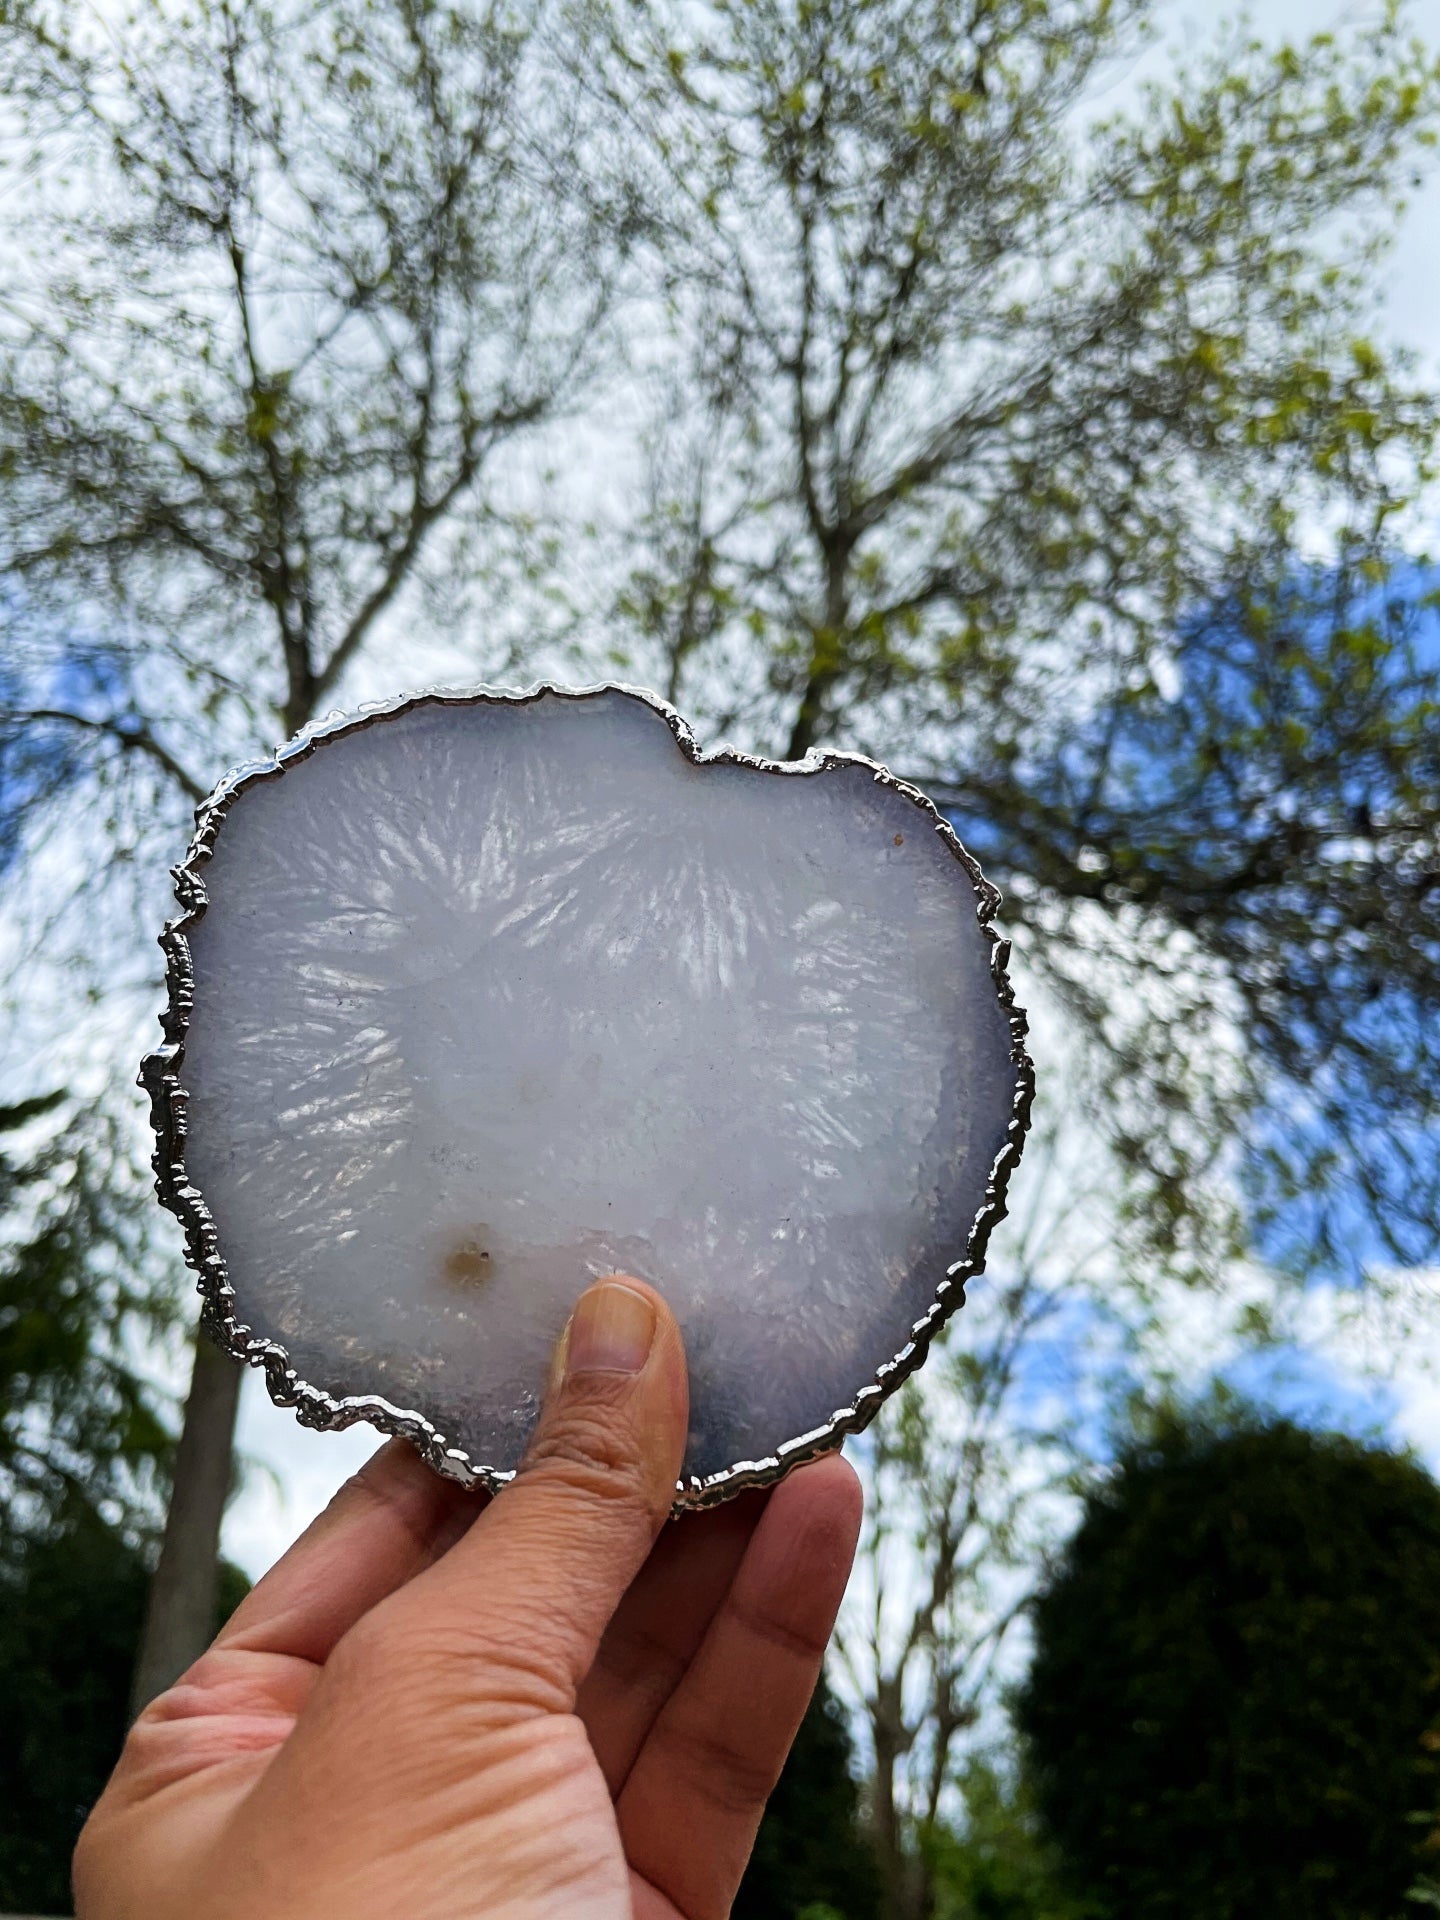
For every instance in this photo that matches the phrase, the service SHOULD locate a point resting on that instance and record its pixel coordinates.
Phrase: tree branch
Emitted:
(422, 518)
(134, 738)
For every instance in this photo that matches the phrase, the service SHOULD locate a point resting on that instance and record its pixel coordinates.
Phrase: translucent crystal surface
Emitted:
(492, 998)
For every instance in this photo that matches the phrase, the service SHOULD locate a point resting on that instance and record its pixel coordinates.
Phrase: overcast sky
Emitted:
(295, 1471)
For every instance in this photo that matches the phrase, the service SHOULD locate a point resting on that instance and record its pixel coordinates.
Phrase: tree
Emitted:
(71, 1605)
(281, 282)
(1001, 1866)
(69, 1623)
(1234, 1705)
(972, 1473)
(812, 1859)
(86, 1444)
(1244, 811)
(79, 1423)
(1050, 458)
(974, 1477)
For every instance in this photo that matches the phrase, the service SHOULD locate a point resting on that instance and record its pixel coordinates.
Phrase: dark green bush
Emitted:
(811, 1854)
(71, 1603)
(1234, 1706)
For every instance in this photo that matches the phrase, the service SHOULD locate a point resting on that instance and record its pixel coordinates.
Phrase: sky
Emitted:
(1334, 1374)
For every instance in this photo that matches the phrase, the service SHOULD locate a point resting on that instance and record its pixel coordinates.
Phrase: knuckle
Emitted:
(363, 1664)
(593, 1453)
(462, 1664)
(367, 1647)
(721, 1772)
(491, 1677)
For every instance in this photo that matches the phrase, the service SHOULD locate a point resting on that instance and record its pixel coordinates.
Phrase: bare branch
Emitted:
(133, 736)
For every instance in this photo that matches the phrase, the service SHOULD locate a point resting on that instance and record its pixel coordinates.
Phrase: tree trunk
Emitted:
(180, 1614)
(889, 1851)
(811, 719)
(898, 1889)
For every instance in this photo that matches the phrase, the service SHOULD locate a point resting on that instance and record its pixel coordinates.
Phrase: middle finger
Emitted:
(658, 1628)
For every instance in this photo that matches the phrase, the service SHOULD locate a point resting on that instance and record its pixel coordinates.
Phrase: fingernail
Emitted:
(611, 1331)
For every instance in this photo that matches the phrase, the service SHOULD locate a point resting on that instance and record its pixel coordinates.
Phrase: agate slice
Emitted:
(476, 997)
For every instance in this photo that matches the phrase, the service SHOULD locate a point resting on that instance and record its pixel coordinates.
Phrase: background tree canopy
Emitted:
(998, 444)
(70, 1610)
(79, 1428)
(1052, 457)
(1234, 1706)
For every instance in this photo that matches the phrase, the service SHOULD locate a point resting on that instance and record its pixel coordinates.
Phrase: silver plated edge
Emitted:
(313, 1406)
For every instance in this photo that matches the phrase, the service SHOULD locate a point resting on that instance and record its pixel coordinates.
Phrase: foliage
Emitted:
(1234, 1706)
(1000, 1866)
(280, 284)
(78, 1420)
(283, 279)
(85, 1452)
(995, 438)
(812, 1859)
(71, 1604)
(1281, 808)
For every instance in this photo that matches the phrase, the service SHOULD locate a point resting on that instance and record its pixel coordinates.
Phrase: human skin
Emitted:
(550, 1704)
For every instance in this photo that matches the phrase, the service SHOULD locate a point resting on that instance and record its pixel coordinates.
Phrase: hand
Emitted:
(553, 1704)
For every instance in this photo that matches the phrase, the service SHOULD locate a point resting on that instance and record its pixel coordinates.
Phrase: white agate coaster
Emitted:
(475, 997)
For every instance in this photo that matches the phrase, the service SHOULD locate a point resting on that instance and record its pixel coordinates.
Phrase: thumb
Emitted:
(545, 1566)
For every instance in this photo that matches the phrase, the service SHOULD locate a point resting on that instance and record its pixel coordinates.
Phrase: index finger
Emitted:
(387, 1523)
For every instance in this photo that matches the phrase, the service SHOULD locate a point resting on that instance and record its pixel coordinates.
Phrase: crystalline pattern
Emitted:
(491, 998)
